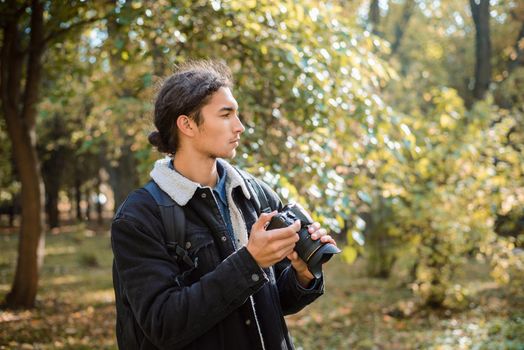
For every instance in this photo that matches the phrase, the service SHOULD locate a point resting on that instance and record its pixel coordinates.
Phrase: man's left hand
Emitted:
(303, 274)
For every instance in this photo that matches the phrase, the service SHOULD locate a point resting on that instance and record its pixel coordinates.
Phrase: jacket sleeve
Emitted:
(172, 316)
(293, 297)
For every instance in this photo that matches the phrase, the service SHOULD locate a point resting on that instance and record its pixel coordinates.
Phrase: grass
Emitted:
(75, 306)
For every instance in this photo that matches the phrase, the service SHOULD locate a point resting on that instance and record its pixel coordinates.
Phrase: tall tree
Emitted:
(28, 29)
(480, 12)
(21, 72)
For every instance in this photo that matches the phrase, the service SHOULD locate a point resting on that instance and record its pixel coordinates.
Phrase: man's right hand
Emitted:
(270, 247)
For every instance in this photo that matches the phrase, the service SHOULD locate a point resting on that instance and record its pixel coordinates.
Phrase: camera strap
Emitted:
(256, 191)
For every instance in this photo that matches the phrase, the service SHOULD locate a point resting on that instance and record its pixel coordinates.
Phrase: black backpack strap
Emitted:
(256, 191)
(174, 222)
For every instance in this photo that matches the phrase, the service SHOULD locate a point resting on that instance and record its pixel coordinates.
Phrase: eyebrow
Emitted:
(227, 109)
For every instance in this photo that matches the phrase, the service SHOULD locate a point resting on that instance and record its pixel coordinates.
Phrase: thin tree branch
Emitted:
(55, 35)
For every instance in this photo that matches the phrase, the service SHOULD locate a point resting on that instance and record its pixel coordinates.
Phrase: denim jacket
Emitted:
(225, 301)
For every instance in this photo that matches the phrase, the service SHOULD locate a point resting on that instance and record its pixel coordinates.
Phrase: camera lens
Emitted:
(319, 257)
(313, 252)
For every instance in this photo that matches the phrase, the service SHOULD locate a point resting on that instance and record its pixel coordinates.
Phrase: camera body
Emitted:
(313, 252)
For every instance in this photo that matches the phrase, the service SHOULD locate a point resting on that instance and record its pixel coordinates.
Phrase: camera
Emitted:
(313, 252)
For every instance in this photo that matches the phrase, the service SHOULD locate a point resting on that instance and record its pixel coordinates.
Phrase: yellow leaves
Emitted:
(434, 51)
(251, 4)
(254, 26)
(422, 167)
(340, 220)
(349, 254)
(299, 12)
(447, 122)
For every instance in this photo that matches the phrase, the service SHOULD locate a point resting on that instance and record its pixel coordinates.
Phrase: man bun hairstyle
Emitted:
(185, 93)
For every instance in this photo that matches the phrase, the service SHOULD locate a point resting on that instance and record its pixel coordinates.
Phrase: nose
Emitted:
(239, 127)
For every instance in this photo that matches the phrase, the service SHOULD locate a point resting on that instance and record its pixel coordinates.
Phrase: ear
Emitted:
(186, 125)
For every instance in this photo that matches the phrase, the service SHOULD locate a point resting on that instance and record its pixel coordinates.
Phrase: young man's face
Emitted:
(219, 134)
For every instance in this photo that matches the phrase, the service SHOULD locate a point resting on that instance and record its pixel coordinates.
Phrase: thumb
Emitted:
(263, 220)
(296, 225)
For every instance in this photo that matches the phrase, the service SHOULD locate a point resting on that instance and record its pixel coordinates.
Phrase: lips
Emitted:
(235, 141)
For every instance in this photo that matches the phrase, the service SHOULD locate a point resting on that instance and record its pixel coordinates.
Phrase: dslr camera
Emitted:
(313, 252)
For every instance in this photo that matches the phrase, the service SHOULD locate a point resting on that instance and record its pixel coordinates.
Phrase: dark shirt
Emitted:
(220, 194)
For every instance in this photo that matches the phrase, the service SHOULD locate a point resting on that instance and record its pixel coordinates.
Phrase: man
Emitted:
(243, 278)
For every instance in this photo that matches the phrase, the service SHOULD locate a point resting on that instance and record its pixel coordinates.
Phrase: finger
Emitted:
(288, 242)
(296, 225)
(283, 245)
(263, 220)
(285, 252)
(299, 264)
(320, 233)
(282, 233)
(328, 239)
(293, 256)
(313, 227)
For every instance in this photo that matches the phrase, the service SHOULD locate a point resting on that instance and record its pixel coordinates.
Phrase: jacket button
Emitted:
(203, 195)
(255, 277)
(188, 245)
(248, 322)
(223, 238)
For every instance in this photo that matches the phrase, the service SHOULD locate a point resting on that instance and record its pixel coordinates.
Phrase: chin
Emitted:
(230, 155)
(224, 155)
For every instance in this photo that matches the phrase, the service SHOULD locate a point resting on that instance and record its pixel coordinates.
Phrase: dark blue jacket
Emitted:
(163, 304)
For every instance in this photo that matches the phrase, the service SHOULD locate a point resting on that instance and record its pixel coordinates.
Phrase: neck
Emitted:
(197, 168)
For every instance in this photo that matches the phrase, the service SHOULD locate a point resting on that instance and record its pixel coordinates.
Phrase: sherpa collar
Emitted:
(181, 189)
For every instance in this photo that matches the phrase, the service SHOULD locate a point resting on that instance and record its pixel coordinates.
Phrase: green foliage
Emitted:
(388, 150)
(507, 263)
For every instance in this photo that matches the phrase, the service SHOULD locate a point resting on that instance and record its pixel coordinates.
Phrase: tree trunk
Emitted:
(53, 219)
(99, 205)
(379, 250)
(87, 196)
(123, 177)
(19, 111)
(400, 27)
(480, 14)
(52, 170)
(374, 16)
(53, 166)
(78, 193)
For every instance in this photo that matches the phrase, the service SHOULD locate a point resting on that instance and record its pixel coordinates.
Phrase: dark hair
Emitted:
(185, 93)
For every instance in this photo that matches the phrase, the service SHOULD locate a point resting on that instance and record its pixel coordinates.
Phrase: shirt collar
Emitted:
(181, 189)
(220, 187)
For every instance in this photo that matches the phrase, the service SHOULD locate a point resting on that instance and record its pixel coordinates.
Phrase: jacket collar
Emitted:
(181, 189)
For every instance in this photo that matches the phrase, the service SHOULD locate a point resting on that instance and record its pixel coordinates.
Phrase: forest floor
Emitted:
(75, 305)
